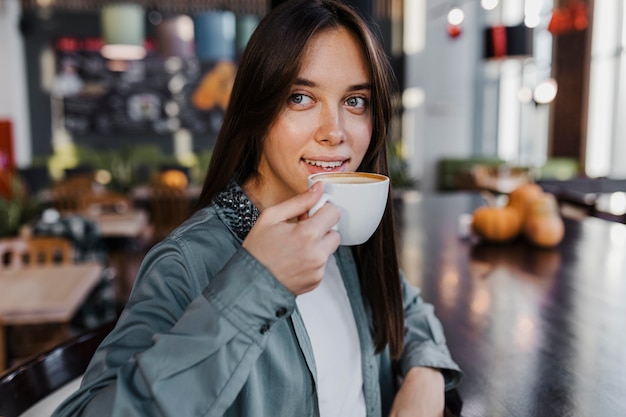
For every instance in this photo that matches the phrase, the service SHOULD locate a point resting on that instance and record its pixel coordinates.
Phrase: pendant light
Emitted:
(123, 28)
(215, 35)
(175, 37)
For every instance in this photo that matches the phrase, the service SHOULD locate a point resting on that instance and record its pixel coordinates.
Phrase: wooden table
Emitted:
(45, 294)
(142, 194)
(120, 232)
(538, 332)
(128, 224)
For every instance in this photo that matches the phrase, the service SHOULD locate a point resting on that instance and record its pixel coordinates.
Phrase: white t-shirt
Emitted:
(330, 324)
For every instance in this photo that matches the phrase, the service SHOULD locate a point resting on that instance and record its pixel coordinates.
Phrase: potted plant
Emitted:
(399, 169)
(16, 208)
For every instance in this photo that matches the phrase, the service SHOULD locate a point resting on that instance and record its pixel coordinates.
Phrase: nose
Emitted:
(331, 127)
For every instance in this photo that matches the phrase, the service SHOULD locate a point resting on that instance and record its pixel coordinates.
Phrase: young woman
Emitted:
(251, 307)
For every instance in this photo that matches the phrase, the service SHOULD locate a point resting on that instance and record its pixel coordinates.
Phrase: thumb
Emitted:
(296, 207)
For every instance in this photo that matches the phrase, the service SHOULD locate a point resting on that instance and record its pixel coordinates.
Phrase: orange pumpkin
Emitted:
(522, 196)
(174, 178)
(543, 225)
(496, 224)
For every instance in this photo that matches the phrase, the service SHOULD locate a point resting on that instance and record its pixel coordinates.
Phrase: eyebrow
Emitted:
(356, 87)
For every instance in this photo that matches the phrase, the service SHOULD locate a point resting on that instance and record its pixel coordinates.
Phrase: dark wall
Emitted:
(364, 6)
(381, 27)
(40, 32)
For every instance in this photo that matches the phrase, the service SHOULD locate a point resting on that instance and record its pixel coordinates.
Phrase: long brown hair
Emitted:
(266, 73)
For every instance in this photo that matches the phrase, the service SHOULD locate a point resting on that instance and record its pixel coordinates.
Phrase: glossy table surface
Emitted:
(538, 332)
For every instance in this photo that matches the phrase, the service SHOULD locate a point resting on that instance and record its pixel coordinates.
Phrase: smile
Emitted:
(324, 164)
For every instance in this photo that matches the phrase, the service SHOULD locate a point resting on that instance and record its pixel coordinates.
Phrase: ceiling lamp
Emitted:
(215, 35)
(545, 91)
(175, 37)
(123, 27)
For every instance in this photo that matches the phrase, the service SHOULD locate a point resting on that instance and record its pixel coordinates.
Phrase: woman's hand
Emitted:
(293, 246)
(422, 394)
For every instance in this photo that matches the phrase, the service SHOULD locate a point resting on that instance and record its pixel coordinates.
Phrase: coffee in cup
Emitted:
(360, 196)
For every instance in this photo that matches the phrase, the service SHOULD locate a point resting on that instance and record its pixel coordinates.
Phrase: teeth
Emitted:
(324, 164)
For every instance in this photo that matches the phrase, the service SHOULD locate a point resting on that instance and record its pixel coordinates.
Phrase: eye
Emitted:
(357, 102)
(300, 99)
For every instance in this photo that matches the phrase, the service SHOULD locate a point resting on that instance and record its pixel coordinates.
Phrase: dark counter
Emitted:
(538, 332)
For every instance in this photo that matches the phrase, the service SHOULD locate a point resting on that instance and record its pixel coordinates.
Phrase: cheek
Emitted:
(362, 139)
(279, 135)
(290, 132)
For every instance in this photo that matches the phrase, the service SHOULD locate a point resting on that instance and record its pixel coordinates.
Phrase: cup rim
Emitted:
(372, 175)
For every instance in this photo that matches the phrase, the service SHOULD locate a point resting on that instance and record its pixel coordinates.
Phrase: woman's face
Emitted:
(326, 124)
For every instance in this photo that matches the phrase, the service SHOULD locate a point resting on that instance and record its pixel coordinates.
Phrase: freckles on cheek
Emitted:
(288, 133)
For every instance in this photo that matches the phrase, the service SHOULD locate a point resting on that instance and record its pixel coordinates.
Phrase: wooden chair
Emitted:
(25, 340)
(12, 253)
(8, 254)
(169, 207)
(67, 193)
(46, 250)
(35, 250)
(43, 381)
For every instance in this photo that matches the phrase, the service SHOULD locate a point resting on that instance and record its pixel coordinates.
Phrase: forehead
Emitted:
(335, 53)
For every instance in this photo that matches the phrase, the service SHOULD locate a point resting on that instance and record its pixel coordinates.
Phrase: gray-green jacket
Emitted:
(208, 331)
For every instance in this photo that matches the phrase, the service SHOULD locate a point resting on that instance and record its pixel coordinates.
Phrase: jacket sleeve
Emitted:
(181, 348)
(424, 339)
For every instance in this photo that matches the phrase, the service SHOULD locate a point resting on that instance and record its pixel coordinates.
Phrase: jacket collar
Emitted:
(236, 210)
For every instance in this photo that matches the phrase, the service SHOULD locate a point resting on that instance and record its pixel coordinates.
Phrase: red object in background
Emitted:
(7, 161)
(499, 41)
(454, 31)
(570, 18)
(149, 44)
(92, 44)
(67, 44)
(580, 15)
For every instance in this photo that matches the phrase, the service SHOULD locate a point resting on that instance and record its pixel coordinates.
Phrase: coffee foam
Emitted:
(348, 178)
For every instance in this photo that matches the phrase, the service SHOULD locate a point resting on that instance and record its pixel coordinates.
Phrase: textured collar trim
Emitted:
(236, 209)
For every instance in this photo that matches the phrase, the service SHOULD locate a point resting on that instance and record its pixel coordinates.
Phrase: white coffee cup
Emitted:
(360, 196)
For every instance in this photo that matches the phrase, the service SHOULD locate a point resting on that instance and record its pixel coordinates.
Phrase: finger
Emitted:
(331, 241)
(295, 207)
(324, 219)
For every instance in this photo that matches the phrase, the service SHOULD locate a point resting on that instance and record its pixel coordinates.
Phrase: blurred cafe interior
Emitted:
(109, 111)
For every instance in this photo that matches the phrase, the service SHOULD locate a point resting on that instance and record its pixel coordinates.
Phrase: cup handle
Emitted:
(320, 203)
(326, 198)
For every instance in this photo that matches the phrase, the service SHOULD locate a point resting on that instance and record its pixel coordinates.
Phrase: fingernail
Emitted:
(314, 187)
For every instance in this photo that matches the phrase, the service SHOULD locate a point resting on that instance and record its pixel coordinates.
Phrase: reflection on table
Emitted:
(600, 197)
(538, 332)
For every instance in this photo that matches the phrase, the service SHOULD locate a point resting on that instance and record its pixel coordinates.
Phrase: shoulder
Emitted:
(197, 248)
(205, 229)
